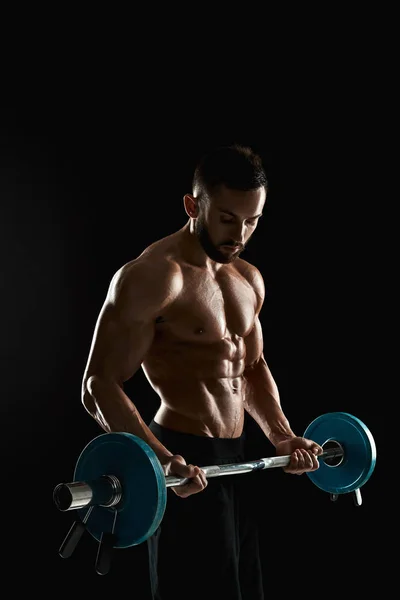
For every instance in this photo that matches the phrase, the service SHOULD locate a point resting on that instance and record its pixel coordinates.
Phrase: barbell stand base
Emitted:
(73, 536)
(106, 549)
(105, 553)
(357, 497)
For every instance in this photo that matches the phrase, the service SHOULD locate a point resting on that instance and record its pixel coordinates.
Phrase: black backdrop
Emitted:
(84, 188)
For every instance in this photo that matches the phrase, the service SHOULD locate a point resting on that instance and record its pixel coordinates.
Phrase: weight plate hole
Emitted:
(334, 461)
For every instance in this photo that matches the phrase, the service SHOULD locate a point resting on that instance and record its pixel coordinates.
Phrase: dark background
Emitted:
(88, 179)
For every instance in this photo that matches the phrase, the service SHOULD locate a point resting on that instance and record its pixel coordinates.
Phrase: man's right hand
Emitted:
(176, 465)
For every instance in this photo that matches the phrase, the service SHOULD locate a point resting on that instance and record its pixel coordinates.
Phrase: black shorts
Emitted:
(207, 544)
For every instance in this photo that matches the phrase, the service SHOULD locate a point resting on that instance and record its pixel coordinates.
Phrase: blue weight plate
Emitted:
(144, 497)
(359, 452)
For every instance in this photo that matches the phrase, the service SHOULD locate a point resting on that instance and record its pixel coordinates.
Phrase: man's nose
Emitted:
(239, 234)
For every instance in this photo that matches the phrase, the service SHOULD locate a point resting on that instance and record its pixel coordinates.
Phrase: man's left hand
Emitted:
(303, 454)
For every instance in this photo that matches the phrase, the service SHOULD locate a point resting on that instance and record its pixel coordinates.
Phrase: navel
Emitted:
(199, 330)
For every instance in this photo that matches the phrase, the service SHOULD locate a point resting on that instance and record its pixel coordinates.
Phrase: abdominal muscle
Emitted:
(199, 395)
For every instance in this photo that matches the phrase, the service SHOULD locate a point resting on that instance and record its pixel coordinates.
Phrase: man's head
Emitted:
(229, 191)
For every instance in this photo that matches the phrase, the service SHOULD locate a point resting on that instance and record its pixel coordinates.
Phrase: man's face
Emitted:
(227, 221)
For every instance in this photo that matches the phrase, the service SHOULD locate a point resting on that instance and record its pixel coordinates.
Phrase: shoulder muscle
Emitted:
(140, 289)
(125, 326)
(253, 275)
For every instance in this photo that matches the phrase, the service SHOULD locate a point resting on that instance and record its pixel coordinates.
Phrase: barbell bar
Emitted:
(119, 489)
(107, 490)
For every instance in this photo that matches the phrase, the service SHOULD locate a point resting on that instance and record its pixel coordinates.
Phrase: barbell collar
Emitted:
(104, 491)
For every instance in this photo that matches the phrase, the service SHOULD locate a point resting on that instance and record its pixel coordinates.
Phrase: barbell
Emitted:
(119, 489)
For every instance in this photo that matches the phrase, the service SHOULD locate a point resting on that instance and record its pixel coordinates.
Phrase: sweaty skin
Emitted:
(192, 324)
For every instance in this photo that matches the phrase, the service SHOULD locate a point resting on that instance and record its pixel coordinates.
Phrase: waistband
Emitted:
(182, 443)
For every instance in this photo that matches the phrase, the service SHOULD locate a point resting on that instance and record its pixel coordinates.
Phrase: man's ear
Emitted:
(190, 204)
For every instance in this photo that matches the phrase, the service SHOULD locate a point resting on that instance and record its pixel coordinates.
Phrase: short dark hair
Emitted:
(236, 166)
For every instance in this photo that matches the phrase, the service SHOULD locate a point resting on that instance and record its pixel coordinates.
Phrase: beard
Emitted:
(209, 248)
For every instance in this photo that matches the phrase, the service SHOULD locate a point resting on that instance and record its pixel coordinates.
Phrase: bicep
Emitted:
(254, 345)
(254, 340)
(119, 343)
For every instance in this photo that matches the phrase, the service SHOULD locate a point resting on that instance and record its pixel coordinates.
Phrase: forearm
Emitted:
(111, 408)
(262, 402)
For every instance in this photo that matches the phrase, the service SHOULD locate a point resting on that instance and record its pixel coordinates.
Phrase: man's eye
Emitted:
(252, 223)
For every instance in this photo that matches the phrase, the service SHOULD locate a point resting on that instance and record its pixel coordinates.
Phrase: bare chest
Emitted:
(211, 308)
